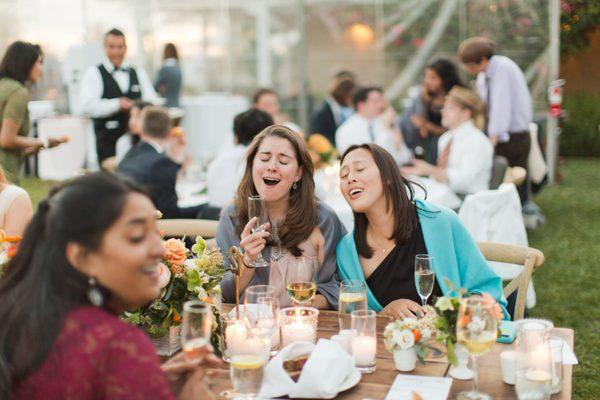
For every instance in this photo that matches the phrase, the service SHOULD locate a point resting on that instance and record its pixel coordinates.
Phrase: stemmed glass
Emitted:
(258, 209)
(424, 276)
(301, 279)
(353, 296)
(476, 331)
(196, 327)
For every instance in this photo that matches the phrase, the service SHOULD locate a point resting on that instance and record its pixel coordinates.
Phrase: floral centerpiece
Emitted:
(321, 150)
(185, 275)
(8, 248)
(407, 340)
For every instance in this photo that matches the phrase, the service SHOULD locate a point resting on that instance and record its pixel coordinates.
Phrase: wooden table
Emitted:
(377, 384)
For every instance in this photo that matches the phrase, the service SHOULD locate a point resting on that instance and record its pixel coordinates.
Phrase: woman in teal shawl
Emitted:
(390, 226)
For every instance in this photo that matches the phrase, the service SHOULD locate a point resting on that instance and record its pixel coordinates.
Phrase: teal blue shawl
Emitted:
(457, 256)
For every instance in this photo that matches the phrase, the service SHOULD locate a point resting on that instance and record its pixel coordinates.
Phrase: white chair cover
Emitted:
(495, 216)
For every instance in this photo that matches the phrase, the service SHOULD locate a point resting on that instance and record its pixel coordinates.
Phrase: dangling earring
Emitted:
(295, 185)
(94, 294)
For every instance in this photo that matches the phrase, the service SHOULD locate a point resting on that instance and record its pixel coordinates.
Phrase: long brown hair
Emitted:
(399, 195)
(302, 212)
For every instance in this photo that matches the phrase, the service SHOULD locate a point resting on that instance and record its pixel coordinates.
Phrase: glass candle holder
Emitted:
(298, 324)
(364, 341)
(235, 333)
(534, 360)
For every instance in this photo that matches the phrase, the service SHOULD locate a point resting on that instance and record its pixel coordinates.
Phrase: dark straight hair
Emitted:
(18, 60)
(40, 286)
(399, 196)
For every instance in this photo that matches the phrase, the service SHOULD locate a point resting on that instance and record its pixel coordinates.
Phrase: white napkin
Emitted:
(324, 372)
(568, 356)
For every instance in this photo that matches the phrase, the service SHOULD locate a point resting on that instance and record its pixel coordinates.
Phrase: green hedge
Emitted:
(581, 131)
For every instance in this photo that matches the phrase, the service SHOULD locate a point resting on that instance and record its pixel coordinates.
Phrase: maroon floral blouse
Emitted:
(97, 356)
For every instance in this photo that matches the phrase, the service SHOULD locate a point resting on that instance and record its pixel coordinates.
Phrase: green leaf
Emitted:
(193, 280)
(199, 247)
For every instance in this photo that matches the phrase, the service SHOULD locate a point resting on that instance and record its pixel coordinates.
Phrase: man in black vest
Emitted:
(108, 91)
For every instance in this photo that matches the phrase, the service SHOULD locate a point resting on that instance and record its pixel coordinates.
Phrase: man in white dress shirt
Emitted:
(108, 91)
(373, 122)
(226, 171)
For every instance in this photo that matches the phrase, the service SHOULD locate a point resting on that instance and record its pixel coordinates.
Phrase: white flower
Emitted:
(190, 264)
(164, 276)
(404, 339)
(444, 303)
(410, 323)
(425, 333)
(201, 292)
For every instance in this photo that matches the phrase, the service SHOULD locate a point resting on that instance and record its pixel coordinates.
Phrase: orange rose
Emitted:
(319, 143)
(175, 252)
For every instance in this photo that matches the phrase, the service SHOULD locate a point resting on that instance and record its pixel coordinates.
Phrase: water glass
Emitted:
(257, 208)
(261, 310)
(424, 276)
(364, 341)
(353, 296)
(247, 372)
(196, 327)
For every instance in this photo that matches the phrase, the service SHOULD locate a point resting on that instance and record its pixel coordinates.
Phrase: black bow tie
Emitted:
(119, 69)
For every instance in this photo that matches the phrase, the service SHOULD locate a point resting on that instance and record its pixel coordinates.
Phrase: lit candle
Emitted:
(364, 349)
(297, 331)
(235, 337)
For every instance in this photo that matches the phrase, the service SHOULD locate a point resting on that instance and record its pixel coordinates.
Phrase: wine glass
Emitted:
(258, 209)
(353, 296)
(196, 327)
(424, 276)
(476, 331)
(301, 279)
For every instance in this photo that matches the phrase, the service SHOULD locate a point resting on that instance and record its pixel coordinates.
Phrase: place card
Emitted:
(425, 387)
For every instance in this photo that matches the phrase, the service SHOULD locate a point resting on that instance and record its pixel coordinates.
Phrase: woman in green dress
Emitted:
(22, 63)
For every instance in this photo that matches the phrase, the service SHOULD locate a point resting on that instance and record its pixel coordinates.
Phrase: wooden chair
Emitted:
(531, 259)
(188, 227)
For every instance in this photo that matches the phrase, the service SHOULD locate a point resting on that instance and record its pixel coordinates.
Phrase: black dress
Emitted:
(394, 278)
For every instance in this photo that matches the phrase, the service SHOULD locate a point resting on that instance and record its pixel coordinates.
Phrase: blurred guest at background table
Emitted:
(373, 122)
(279, 168)
(21, 64)
(266, 100)
(91, 252)
(108, 92)
(503, 87)
(226, 171)
(168, 81)
(336, 108)
(132, 137)
(421, 123)
(155, 162)
(391, 228)
(15, 208)
(465, 155)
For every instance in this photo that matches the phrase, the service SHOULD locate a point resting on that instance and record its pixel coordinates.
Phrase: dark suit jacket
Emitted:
(323, 122)
(158, 173)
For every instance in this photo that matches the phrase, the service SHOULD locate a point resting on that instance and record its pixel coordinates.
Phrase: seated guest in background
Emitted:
(91, 251)
(168, 81)
(336, 108)
(155, 161)
(391, 228)
(15, 208)
(279, 168)
(132, 137)
(267, 100)
(465, 153)
(226, 171)
(421, 123)
(373, 122)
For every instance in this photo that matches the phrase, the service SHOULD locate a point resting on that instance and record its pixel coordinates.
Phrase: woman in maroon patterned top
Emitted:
(90, 252)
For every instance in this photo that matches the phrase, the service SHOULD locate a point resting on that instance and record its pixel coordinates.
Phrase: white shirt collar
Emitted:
(155, 144)
(170, 61)
(111, 68)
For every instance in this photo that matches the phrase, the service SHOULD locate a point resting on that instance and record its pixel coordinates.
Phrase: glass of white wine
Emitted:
(353, 296)
(258, 209)
(476, 331)
(424, 276)
(301, 279)
(196, 327)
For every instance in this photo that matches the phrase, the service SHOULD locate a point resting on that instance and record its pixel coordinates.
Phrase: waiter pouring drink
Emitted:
(109, 90)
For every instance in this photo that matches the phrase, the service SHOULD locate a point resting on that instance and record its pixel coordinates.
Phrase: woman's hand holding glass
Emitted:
(253, 243)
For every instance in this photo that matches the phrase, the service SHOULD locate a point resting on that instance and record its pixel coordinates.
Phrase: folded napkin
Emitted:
(327, 368)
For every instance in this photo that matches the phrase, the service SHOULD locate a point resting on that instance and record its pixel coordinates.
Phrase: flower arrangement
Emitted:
(409, 332)
(185, 275)
(321, 150)
(8, 248)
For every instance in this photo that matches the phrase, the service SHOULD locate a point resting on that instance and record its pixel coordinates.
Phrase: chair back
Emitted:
(531, 259)
(188, 227)
(499, 167)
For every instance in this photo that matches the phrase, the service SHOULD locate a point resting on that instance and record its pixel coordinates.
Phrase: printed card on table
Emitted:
(411, 387)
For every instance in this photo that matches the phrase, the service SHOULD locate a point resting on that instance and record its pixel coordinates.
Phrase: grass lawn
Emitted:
(569, 280)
